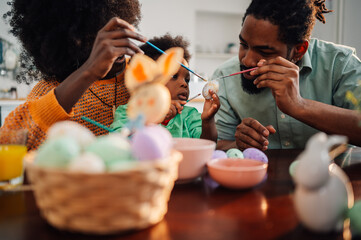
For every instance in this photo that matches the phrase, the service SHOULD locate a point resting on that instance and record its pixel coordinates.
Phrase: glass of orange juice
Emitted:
(12, 151)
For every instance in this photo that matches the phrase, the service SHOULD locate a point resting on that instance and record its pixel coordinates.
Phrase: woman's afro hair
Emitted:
(57, 35)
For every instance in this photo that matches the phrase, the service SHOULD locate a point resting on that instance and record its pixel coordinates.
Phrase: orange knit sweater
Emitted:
(42, 109)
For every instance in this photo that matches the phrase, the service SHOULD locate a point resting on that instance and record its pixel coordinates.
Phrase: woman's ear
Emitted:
(300, 50)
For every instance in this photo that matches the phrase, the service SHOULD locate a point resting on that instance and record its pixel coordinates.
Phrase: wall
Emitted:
(7, 81)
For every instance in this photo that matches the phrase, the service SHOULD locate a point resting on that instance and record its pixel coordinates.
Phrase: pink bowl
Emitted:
(236, 172)
(196, 153)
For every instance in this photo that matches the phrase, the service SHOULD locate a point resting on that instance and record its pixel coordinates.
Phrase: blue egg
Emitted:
(234, 153)
(254, 153)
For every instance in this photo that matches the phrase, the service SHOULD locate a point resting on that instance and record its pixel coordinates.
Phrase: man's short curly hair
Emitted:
(165, 42)
(295, 18)
(58, 35)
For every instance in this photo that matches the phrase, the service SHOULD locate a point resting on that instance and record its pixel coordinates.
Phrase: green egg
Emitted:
(57, 153)
(111, 150)
(234, 153)
(355, 218)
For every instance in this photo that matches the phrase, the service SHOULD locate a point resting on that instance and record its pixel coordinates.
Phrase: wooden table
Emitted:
(198, 210)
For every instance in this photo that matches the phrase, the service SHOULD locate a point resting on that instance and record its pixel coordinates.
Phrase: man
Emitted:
(299, 87)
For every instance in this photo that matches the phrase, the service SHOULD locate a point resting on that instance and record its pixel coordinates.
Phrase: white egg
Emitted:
(87, 163)
(211, 85)
(71, 129)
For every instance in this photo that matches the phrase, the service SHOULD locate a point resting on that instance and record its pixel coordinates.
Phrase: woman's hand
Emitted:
(112, 42)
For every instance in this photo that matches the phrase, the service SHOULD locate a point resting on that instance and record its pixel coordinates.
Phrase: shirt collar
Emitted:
(305, 62)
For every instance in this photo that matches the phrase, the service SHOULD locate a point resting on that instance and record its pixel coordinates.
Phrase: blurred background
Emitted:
(211, 26)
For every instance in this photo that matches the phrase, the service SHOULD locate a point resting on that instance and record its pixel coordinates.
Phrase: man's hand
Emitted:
(281, 76)
(250, 133)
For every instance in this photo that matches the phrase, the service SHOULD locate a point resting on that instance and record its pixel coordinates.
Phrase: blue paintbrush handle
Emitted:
(161, 51)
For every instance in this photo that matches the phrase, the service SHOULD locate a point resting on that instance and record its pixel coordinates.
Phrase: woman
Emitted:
(78, 47)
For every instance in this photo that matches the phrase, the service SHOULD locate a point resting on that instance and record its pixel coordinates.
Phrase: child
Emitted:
(181, 121)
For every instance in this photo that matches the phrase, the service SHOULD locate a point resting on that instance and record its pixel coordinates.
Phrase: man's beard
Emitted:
(248, 85)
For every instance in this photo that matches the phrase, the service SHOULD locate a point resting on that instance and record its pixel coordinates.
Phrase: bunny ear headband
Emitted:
(145, 80)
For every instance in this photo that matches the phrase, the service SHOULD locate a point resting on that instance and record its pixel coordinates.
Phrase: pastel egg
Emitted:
(71, 129)
(254, 153)
(152, 101)
(151, 143)
(219, 154)
(111, 149)
(87, 163)
(57, 152)
(355, 218)
(234, 153)
(211, 85)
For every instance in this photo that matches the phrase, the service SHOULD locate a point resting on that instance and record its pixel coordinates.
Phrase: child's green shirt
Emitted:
(188, 124)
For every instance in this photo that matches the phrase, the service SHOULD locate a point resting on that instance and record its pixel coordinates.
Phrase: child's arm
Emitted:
(210, 108)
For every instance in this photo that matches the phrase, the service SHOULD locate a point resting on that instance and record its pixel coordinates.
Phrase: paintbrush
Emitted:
(193, 97)
(97, 124)
(237, 73)
(161, 51)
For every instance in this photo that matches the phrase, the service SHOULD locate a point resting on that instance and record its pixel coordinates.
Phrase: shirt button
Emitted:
(287, 143)
(283, 116)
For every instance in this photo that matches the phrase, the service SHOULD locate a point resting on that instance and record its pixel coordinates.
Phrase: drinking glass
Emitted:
(12, 151)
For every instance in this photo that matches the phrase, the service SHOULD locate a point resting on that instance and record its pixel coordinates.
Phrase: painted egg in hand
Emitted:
(211, 85)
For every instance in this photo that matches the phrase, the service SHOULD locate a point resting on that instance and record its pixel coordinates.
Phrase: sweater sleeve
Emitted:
(36, 115)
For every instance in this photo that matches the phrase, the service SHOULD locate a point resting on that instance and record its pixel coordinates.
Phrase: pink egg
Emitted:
(151, 143)
(254, 153)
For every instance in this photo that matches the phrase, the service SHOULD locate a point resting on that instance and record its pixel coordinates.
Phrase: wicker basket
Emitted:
(105, 203)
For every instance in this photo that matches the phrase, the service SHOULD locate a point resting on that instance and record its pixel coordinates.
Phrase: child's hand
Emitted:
(210, 107)
(176, 106)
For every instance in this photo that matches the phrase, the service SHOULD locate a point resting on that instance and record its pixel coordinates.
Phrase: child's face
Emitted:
(178, 84)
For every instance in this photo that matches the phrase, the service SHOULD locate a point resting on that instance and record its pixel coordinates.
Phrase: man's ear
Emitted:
(300, 50)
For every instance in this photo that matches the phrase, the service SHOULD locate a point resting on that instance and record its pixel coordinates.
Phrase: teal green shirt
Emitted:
(327, 71)
(188, 124)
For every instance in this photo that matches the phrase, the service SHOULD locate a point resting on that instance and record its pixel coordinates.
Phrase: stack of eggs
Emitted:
(104, 184)
(71, 146)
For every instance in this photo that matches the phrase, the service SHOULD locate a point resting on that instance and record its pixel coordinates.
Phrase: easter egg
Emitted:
(219, 154)
(254, 153)
(355, 218)
(234, 153)
(211, 85)
(57, 152)
(151, 143)
(152, 101)
(111, 149)
(87, 163)
(71, 129)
